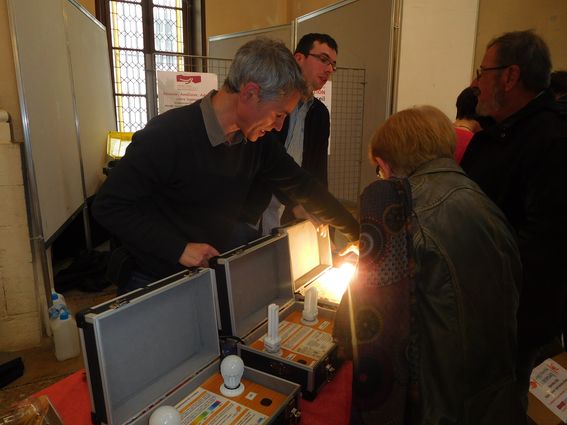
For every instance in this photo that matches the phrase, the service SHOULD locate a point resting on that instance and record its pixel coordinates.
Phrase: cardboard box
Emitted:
(538, 412)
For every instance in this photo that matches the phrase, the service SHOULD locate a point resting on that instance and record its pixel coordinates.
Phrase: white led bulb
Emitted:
(165, 415)
(232, 369)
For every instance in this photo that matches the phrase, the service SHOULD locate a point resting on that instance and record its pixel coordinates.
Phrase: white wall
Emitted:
(547, 17)
(437, 52)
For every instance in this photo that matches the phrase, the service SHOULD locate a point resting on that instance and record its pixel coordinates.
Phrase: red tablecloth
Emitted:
(70, 397)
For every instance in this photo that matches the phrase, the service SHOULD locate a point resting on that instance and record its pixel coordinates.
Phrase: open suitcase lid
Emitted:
(257, 275)
(310, 252)
(148, 342)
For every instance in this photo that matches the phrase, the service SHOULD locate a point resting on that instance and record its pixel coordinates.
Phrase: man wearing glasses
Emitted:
(305, 134)
(519, 163)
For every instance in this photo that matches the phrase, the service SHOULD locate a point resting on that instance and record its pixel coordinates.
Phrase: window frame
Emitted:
(102, 8)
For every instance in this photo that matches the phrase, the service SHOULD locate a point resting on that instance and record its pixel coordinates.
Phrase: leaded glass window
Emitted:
(138, 31)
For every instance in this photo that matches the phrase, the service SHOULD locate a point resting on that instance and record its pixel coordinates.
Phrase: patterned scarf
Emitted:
(374, 322)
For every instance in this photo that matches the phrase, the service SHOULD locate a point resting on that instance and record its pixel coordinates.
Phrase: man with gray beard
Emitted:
(519, 163)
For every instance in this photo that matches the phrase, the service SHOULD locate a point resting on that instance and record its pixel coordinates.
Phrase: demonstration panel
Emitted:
(225, 46)
(63, 75)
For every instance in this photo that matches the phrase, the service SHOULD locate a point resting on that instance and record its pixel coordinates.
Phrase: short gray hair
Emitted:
(268, 63)
(527, 50)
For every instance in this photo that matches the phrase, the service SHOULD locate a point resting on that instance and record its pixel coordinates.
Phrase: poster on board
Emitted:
(324, 94)
(548, 383)
(177, 89)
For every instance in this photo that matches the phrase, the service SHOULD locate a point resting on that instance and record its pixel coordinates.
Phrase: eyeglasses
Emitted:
(480, 70)
(324, 59)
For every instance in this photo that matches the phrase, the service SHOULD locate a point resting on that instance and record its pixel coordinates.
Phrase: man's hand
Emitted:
(351, 247)
(301, 213)
(197, 255)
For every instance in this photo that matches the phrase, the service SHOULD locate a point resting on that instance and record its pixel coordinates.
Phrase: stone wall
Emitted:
(20, 308)
(20, 312)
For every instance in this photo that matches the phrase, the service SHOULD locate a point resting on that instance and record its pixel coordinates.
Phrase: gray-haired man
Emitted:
(520, 164)
(174, 199)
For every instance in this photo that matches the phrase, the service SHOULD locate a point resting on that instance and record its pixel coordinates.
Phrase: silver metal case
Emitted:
(251, 278)
(154, 346)
(310, 258)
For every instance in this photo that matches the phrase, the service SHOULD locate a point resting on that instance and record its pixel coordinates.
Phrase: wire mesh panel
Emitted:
(192, 63)
(347, 112)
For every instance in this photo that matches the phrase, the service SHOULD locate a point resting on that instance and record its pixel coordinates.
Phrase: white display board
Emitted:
(325, 95)
(92, 83)
(225, 46)
(63, 76)
(437, 52)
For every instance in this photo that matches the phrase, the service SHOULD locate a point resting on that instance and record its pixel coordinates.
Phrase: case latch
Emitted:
(294, 416)
(118, 303)
(330, 371)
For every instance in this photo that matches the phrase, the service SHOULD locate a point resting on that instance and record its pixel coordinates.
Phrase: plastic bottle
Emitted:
(65, 336)
(57, 296)
(57, 305)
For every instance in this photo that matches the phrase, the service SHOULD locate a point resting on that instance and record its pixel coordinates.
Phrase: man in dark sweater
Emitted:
(305, 134)
(174, 199)
(520, 164)
(559, 88)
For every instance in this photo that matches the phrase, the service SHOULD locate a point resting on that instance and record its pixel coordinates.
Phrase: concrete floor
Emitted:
(41, 368)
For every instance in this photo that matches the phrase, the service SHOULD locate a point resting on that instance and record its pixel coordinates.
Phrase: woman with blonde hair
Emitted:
(430, 320)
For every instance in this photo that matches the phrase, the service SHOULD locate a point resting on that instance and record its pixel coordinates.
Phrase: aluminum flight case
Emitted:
(311, 261)
(251, 278)
(159, 346)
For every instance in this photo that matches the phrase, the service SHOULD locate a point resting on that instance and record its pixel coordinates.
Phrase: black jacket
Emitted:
(461, 347)
(315, 152)
(520, 165)
(467, 282)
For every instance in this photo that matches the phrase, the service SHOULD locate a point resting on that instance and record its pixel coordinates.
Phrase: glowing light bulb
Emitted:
(333, 283)
(232, 369)
(165, 415)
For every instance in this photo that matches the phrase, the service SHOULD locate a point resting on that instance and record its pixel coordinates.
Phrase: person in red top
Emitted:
(466, 124)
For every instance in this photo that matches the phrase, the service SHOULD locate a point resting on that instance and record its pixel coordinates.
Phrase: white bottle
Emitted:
(65, 336)
(57, 305)
(57, 296)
